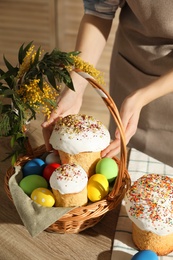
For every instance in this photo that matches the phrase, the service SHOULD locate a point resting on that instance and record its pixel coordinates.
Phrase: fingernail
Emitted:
(102, 154)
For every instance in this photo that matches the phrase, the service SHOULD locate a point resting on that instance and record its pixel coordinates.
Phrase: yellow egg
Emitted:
(43, 196)
(98, 187)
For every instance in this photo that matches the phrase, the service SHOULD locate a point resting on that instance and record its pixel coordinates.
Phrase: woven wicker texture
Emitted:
(87, 216)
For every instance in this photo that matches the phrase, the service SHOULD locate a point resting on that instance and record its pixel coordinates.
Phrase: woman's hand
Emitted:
(129, 113)
(131, 108)
(69, 103)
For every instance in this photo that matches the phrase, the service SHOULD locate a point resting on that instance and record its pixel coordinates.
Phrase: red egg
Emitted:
(49, 169)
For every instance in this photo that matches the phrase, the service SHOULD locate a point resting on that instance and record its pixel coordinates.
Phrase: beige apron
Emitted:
(143, 51)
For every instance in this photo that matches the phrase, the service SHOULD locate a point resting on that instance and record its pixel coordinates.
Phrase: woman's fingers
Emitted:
(112, 150)
(130, 127)
(52, 119)
(46, 135)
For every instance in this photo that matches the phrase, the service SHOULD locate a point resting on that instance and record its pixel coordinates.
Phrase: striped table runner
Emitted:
(139, 164)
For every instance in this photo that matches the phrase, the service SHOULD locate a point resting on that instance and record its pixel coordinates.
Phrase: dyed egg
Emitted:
(34, 166)
(52, 158)
(32, 182)
(47, 172)
(98, 187)
(145, 254)
(108, 167)
(43, 196)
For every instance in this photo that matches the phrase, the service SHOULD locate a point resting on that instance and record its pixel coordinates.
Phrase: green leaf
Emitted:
(14, 158)
(40, 77)
(31, 74)
(2, 89)
(68, 81)
(33, 113)
(51, 78)
(74, 53)
(27, 47)
(8, 92)
(5, 125)
(70, 85)
(36, 59)
(51, 102)
(22, 52)
(9, 77)
(1, 72)
(8, 65)
(12, 141)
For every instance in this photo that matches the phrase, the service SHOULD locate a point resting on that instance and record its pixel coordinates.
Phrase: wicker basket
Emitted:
(81, 218)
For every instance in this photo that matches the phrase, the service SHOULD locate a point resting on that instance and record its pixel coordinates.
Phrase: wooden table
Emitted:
(16, 243)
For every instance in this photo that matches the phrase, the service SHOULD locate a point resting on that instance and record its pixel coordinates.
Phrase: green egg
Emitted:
(32, 182)
(108, 167)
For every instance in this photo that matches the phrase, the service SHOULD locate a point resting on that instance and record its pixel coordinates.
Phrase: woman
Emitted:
(141, 80)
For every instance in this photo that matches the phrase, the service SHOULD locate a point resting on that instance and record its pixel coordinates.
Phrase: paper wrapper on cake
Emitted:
(149, 204)
(69, 186)
(80, 139)
(71, 200)
(146, 240)
(87, 160)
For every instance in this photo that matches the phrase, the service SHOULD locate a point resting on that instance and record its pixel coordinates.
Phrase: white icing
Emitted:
(69, 178)
(149, 204)
(88, 135)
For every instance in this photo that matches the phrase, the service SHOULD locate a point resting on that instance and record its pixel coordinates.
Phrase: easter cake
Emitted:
(149, 204)
(80, 139)
(69, 185)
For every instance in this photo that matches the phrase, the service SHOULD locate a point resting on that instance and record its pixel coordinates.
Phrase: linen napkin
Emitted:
(139, 164)
(35, 217)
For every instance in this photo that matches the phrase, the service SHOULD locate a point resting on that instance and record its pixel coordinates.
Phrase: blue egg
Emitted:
(34, 166)
(145, 254)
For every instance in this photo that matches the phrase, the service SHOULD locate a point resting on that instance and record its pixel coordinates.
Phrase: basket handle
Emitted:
(114, 111)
